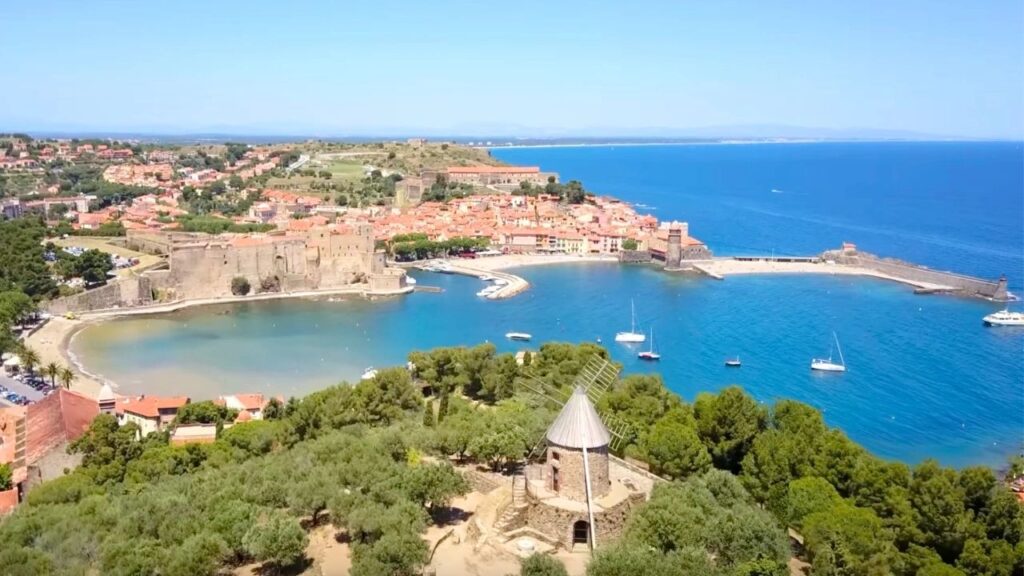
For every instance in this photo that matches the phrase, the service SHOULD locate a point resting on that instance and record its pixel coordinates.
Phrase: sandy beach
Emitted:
(52, 341)
(51, 344)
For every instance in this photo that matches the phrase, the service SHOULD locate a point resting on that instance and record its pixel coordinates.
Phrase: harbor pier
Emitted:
(848, 261)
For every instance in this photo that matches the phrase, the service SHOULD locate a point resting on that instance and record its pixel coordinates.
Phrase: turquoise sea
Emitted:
(925, 378)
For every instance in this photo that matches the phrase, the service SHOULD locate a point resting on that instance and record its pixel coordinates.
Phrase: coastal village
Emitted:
(175, 226)
(510, 207)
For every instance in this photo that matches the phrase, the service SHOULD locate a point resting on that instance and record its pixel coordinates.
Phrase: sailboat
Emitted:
(632, 336)
(829, 365)
(650, 354)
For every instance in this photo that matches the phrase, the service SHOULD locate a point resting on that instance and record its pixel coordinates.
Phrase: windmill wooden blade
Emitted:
(539, 387)
(597, 377)
(620, 430)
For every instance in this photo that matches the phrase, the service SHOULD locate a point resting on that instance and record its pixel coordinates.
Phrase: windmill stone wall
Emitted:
(570, 472)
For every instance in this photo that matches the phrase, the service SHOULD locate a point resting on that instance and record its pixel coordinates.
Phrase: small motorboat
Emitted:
(733, 362)
(521, 336)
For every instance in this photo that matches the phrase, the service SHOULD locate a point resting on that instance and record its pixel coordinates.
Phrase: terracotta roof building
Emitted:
(151, 413)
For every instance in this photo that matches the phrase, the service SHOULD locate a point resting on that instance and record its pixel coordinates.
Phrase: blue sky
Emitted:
(951, 68)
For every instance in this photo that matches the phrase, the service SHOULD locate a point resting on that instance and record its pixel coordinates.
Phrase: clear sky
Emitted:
(953, 68)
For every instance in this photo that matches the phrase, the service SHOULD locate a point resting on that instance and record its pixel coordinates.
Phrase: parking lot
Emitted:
(21, 390)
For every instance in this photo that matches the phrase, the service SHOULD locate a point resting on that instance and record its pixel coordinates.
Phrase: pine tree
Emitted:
(442, 409)
(428, 414)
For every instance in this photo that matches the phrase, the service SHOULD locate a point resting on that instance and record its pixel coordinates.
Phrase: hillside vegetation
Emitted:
(373, 460)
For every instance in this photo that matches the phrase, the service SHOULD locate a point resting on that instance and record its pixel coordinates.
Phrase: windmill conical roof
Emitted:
(578, 425)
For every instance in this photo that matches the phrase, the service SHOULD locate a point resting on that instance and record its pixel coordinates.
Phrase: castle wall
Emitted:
(206, 271)
(203, 266)
(148, 241)
(634, 256)
(120, 293)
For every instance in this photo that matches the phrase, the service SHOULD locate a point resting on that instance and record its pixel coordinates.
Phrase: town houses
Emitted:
(526, 223)
(514, 208)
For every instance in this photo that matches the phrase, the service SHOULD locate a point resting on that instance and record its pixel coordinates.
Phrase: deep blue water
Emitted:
(949, 205)
(925, 378)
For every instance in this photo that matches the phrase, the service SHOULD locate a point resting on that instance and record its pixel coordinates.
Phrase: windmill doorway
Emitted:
(580, 533)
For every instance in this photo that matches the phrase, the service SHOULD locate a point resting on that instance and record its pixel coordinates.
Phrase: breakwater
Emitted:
(950, 282)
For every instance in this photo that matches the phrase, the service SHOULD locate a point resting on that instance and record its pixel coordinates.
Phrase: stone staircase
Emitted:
(512, 517)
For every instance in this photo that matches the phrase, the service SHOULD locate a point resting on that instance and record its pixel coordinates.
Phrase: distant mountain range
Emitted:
(499, 134)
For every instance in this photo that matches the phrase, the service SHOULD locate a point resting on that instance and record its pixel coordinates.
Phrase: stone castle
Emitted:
(199, 266)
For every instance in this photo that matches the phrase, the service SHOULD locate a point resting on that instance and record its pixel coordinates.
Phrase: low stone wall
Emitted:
(391, 280)
(121, 293)
(479, 482)
(634, 256)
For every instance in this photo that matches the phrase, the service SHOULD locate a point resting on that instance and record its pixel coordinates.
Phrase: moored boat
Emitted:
(488, 291)
(650, 354)
(733, 362)
(823, 365)
(521, 336)
(631, 337)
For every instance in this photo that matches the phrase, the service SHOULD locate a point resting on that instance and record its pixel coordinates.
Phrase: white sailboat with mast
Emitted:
(828, 365)
(650, 353)
(631, 337)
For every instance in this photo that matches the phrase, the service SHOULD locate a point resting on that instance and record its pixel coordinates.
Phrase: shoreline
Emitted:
(183, 304)
(52, 342)
(736, 141)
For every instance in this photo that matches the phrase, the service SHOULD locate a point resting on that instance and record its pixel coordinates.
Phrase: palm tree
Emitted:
(51, 370)
(67, 376)
(29, 358)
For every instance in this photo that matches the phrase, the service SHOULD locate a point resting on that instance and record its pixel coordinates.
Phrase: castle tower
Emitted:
(578, 430)
(106, 400)
(674, 250)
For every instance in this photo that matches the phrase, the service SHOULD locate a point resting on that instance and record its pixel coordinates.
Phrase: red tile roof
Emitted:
(149, 406)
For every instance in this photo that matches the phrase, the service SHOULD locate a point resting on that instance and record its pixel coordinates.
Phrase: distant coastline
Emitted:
(724, 142)
(496, 140)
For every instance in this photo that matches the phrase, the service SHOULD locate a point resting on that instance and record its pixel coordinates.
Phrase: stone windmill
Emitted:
(571, 491)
